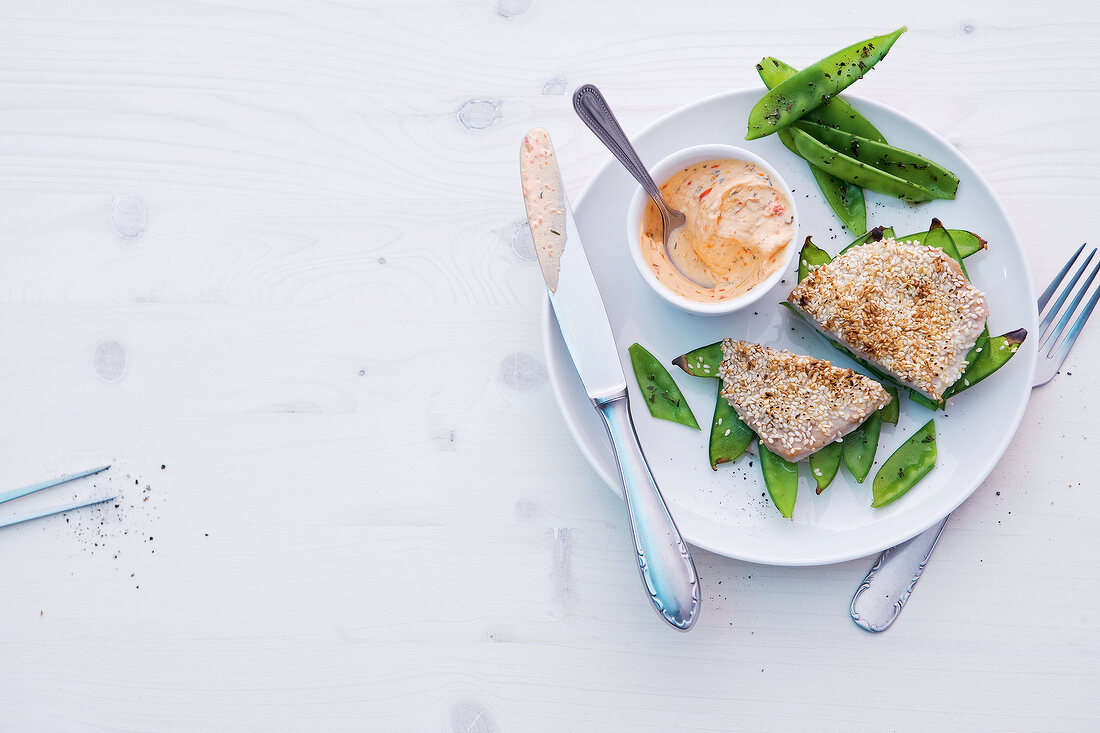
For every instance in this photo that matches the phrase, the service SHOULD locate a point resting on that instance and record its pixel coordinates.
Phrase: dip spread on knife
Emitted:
(544, 198)
(738, 228)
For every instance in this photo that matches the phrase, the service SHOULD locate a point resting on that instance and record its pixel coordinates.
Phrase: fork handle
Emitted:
(884, 591)
(593, 110)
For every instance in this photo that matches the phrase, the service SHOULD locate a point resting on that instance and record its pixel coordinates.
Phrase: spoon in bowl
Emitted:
(594, 111)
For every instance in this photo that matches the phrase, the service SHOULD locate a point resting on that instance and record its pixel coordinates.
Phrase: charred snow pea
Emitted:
(855, 171)
(845, 199)
(810, 88)
(825, 463)
(940, 238)
(892, 410)
(861, 444)
(834, 113)
(662, 396)
(902, 163)
(811, 256)
(729, 437)
(906, 466)
(702, 362)
(966, 242)
(780, 478)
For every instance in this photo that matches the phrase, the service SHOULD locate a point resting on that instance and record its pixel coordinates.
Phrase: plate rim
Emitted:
(549, 327)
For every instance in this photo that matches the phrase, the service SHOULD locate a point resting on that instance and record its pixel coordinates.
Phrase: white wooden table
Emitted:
(260, 258)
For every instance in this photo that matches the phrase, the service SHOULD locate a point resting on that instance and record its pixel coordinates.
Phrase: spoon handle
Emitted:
(592, 108)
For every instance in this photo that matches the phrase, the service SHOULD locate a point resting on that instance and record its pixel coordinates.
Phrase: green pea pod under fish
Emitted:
(855, 171)
(811, 256)
(833, 113)
(808, 89)
(662, 395)
(906, 466)
(825, 463)
(966, 242)
(702, 362)
(860, 446)
(892, 410)
(994, 355)
(729, 437)
(902, 163)
(940, 238)
(780, 478)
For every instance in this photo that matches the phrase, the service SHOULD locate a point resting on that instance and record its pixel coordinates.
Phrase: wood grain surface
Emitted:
(267, 259)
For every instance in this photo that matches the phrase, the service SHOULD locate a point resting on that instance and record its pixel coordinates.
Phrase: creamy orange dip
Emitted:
(738, 228)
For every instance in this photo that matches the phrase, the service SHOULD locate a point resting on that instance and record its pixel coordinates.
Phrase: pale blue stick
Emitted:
(16, 493)
(38, 513)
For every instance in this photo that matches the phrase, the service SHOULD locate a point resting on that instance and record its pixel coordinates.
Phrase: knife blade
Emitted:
(664, 561)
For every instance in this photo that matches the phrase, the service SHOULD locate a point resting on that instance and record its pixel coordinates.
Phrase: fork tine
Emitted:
(1075, 330)
(1058, 279)
(49, 483)
(1054, 309)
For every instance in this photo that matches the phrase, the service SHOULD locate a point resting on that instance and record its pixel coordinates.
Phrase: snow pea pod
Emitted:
(702, 362)
(845, 199)
(902, 163)
(780, 478)
(662, 396)
(825, 463)
(811, 256)
(940, 238)
(966, 242)
(891, 411)
(861, 444)
(833, 113)
(923, 401)
(994, 354)
(906, 466)
(810, 88)
(855, 171)
(729, 437)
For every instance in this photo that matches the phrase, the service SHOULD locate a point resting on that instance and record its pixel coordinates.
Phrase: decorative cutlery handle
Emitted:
(663, 559)
(593, 110)
(884, 591)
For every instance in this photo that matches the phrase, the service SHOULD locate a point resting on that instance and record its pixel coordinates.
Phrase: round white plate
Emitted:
(727, 511)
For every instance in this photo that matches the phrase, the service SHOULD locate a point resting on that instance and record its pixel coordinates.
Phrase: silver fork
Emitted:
(883, 593)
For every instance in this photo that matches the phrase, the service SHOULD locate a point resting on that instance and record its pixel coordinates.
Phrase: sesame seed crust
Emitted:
(902, 306)
(795, 404)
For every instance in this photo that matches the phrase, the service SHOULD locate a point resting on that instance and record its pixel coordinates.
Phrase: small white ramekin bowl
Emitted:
(662, 172)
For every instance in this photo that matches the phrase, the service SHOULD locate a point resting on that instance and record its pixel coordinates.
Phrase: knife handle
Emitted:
(884, 591)
(663, 559)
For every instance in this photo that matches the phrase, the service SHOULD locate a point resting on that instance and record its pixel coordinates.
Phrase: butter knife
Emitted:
(664, 562)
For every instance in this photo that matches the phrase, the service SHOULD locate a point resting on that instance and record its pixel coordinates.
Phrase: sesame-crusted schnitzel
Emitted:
(795, 404)
(903, 307)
